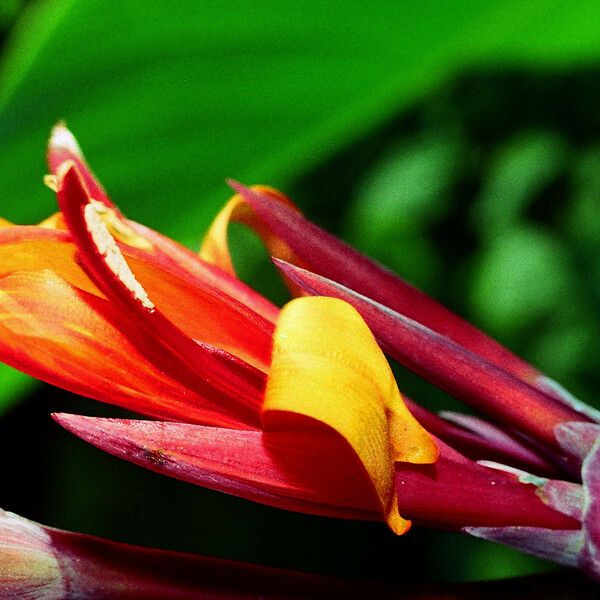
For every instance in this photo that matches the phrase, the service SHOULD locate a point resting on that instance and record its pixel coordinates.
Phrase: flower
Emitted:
(295, 408)
(119, 313)
(42, 563)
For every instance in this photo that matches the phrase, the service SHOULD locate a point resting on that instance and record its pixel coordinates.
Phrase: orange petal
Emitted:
(63, 150)
(77, 341)
(184, 262)
(327, 366)
(202, 310)
(215, 373)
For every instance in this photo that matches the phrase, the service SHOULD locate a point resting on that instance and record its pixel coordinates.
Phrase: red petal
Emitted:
(305, 471)
(455, 492)
(326, 255)
(42, 562)
(449, 365)
(63, 147)
(473, 444)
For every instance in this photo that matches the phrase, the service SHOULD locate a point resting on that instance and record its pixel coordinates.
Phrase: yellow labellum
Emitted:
(327, 366)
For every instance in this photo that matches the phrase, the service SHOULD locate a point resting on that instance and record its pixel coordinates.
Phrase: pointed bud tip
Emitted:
(62, 138)
(296, 274)
(28, 565)
(68, 421)
(236, 186)
(283, 265)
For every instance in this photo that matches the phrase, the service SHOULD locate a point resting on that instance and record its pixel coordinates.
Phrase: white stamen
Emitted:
(109, 250)
(51, 182)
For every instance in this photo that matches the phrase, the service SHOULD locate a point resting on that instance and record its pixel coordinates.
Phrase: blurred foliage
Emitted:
(458, 143)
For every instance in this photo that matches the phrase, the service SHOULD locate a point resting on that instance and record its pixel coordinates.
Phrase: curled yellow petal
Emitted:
(215, 248)
(5, 223)
(327, 366)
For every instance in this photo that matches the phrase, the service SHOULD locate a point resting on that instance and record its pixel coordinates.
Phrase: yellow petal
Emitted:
(54, 221)
(215, 248)
(327, 366)
(5, 223)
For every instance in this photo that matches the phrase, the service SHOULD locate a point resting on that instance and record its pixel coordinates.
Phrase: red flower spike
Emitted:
(126, 315)
(216, 372)
(43, 563)
(447, 364)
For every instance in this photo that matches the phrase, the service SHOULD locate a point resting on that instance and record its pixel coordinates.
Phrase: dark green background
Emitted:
(456, 142)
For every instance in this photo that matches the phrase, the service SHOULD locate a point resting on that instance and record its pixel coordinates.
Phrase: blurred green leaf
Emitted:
(521, 277)
(561, 348)
(170, 99)
(581, 215)
(491, 562)
(396, 202)
(8, 12)
(404, 193)
(517, 173)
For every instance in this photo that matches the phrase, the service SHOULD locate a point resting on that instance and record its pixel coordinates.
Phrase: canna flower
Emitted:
(107, 308)
(295, 408)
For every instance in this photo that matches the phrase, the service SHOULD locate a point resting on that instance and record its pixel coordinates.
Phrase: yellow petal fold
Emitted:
(327, 366)
(215, 248)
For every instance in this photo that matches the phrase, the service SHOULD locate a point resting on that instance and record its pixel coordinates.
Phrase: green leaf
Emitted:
(8, 12)
(518, 280)
(519, 170)
(169, 99)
